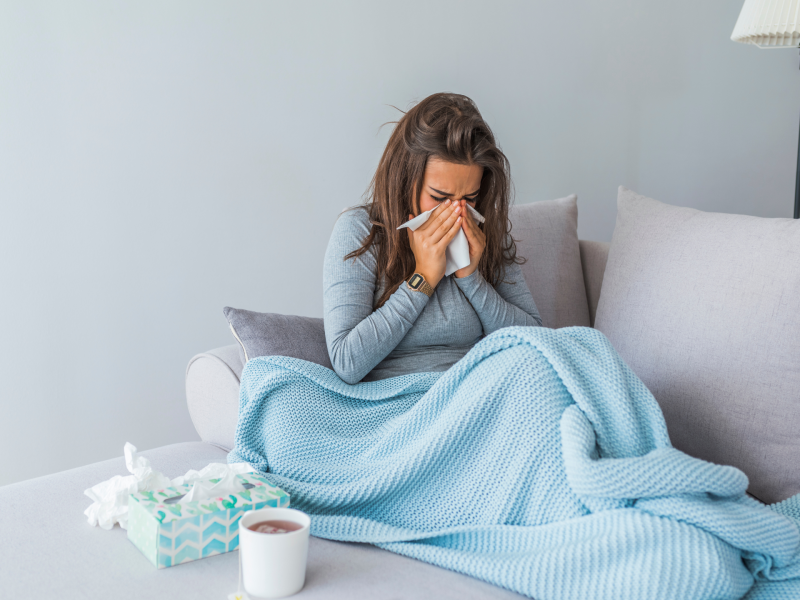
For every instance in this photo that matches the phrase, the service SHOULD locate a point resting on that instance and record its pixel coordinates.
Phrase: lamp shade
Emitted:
(769, 24)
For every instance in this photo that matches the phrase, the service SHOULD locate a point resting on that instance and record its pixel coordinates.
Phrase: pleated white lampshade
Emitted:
(769, 24)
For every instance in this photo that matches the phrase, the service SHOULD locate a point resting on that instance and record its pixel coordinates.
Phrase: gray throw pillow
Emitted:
(548, 238)
(272, 334)
(705, 308)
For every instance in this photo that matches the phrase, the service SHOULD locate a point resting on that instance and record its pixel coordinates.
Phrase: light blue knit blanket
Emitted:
(539, 462)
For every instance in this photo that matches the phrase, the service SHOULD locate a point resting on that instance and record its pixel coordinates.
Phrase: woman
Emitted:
(534, 459)
(442, 156)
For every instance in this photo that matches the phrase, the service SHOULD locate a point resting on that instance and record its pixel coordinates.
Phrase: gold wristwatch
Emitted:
(417, 283)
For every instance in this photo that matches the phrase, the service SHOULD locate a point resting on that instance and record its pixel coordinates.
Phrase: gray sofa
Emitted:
(49, 550)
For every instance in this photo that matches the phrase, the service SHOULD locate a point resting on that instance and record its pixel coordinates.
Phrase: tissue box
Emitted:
(171, 533)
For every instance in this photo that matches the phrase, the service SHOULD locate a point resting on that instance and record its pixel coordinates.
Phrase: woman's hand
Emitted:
(430, 240)
(476, 239)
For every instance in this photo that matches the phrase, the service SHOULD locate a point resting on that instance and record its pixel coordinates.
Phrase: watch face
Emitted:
(415, 281)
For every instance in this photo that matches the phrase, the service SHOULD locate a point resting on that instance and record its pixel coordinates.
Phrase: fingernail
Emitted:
(447, 202)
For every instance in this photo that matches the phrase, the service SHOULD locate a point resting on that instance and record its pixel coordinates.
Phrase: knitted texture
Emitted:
(538, 462)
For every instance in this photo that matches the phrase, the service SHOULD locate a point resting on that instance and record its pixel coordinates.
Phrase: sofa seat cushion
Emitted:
(705, 308)
(50, 551)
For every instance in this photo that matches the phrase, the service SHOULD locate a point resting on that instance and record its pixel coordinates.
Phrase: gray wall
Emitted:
(159, 161)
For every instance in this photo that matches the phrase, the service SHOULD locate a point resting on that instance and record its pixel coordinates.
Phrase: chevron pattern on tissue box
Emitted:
(169, 534)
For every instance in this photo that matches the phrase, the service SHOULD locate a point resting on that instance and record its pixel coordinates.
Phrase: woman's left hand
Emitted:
(476, 239)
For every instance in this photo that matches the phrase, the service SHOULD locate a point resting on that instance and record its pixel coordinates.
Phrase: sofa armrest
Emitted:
(212, 394)
(594, 256)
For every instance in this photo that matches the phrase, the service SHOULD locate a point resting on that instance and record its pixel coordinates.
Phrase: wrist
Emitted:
(418, 283)
(432, 281)
(460, 274)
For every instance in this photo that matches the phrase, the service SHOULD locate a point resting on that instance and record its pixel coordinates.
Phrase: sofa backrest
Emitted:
(594, 256)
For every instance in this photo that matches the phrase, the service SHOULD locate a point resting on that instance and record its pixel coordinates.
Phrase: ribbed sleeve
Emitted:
(506, 305)
(357, 337)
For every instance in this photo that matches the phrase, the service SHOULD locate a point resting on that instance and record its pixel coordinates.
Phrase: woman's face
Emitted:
(445, 180)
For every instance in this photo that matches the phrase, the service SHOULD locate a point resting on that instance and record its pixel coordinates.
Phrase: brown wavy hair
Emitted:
(449, 127)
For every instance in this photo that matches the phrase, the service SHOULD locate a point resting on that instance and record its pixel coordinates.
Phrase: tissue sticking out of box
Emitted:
(110, 497)
(203, 489)
(213, 471)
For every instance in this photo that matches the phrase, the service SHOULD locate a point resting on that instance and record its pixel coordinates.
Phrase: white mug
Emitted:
(273, 564)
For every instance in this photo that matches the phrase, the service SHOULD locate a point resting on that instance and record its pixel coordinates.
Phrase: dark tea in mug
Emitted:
(275, 526)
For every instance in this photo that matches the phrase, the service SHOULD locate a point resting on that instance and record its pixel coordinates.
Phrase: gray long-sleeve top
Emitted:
(411, 332)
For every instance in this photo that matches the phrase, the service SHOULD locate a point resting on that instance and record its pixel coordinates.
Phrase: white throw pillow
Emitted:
(705, 308)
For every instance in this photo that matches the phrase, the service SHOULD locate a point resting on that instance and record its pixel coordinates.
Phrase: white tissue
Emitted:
(457, 251)
(213, 471)
(203, 489)
(110, 497)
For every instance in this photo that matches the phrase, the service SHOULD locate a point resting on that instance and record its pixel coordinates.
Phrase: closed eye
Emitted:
(473, 199)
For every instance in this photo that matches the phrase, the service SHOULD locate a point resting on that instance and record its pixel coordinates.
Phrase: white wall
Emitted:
(160, 160)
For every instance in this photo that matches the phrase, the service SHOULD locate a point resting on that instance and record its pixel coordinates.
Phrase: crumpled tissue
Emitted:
(110, 498)
(457, 251)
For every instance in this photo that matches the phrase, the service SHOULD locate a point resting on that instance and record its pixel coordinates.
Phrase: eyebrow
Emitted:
(448, 194)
